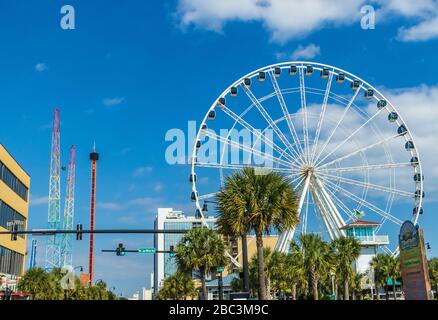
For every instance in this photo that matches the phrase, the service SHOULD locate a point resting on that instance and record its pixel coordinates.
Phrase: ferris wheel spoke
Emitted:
(258, 134)
(267, 117)
(359, 150)
(341, 204)
(351, 135)
(369, 185)
(242, 166)
(285, 112)
(322, 114)
(208, 196)
(366, 167)
(246, 148)
(332, 133)
(304, 107)
(365, 203)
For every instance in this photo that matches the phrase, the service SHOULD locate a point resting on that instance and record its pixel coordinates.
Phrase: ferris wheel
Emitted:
(344, 147)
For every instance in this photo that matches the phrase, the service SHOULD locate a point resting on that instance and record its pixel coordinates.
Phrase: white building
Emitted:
(169, 219)
(146, 294)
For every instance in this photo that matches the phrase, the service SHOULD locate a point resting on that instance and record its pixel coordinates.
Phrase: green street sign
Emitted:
(146, 250)
(220, 269)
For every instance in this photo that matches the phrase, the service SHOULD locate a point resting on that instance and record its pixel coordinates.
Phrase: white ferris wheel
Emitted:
(345, 148)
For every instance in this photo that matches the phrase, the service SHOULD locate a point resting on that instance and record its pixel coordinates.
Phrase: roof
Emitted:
(360, 223)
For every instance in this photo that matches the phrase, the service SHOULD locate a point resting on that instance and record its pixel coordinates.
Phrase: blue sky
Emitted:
(132, 70)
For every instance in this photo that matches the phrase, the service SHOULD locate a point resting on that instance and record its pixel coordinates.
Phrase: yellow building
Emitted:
(14, 205)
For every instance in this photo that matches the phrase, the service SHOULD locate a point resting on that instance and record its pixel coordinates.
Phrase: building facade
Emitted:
(169, 219)
(14, 206)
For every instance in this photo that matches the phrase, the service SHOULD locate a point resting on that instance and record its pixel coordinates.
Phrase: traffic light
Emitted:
(120, 250)
(172, 252)
(79, 231)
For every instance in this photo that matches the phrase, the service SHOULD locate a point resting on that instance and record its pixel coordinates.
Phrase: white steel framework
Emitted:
(339, 158)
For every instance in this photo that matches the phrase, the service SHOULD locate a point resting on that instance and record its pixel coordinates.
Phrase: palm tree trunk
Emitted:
(377, 292)
(314, 282)
(294, 292)
(268, 288)
(245, 263)
(346, 290)
(261, 266)
(393, 289)
(204, 287)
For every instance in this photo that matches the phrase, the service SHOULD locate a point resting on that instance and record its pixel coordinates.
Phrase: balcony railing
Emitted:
(376, 239)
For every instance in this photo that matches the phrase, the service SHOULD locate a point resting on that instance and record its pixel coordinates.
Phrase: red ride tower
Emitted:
(94, 156)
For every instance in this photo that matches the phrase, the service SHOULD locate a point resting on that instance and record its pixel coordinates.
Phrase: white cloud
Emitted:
(40, 67)
(36, 200)
(307, 52)
(291, 19)
(423, 31)
(418, 108)
(109, 102)
(158, 187)
(142, 171)
(109, 205)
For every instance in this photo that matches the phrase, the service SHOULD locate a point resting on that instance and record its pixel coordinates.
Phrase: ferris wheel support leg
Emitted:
(287, 236)
(333, 211)
(328, 223)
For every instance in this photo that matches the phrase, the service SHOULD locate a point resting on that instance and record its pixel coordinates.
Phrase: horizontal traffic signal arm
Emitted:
(136, 251)
(45, 232)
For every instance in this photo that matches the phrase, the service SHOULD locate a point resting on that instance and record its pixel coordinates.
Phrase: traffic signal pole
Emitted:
(79, 232)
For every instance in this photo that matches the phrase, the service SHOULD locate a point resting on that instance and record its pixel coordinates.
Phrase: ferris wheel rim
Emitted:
(335, 70)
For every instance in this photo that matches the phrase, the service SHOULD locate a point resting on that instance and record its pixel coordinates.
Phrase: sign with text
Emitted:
(147, 250)
(413, 263)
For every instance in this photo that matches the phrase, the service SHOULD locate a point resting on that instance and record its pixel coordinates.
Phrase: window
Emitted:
(9, 216)
(11, 262)
(12, 182)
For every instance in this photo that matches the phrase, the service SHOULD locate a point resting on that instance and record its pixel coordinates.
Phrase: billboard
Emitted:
(413, 263)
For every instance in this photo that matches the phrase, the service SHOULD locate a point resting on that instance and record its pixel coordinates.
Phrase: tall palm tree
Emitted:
(379, 264)
(316, 255)
(295, 270)
(346, 250)
(394, 272)
(200, 249)
(258, 202)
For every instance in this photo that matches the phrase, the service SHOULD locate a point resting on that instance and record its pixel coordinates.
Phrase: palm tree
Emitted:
(394, 272)
(433, 274)
(316, 255)
(346, 250)
(356, 284)
(379, 264)
(251, 201)
(295, 270)
(178, 286)
(35, 282)
(200, 249)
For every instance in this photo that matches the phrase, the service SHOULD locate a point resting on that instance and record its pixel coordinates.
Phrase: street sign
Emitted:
(220, 269)
(147, 250)
(413, 263)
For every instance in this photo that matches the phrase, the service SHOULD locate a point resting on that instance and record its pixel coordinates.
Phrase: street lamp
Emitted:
(81, 268)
